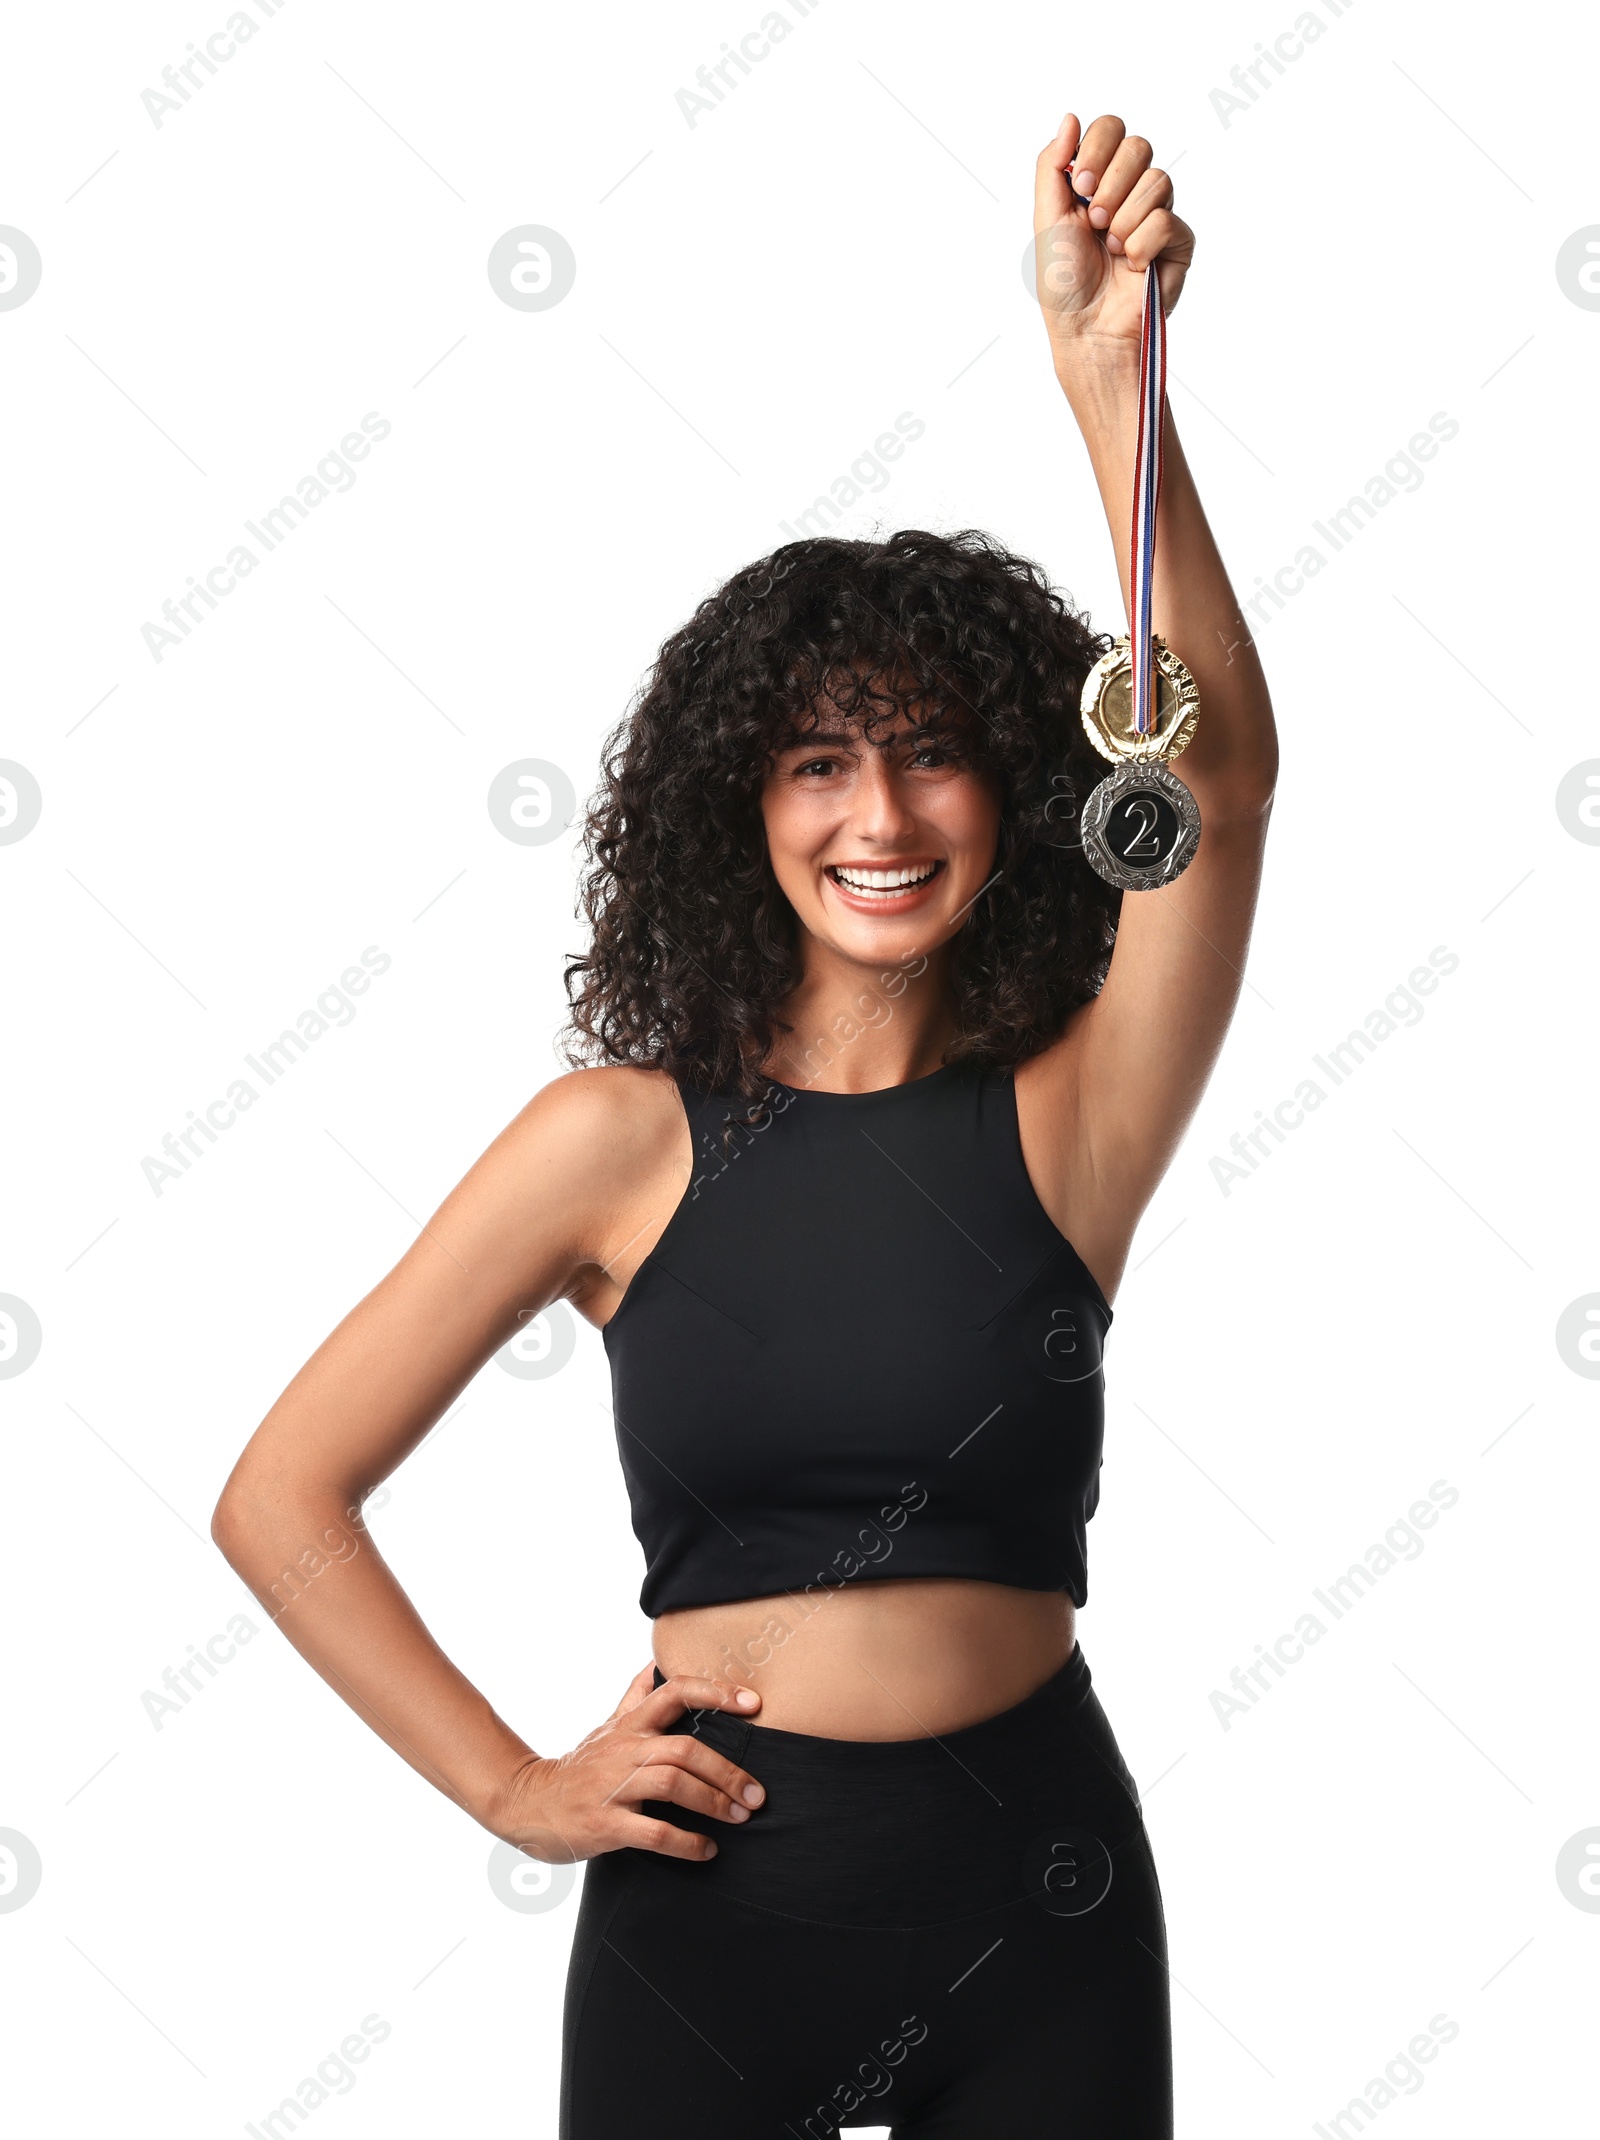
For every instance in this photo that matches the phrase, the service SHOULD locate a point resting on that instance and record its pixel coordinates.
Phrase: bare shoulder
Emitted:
(592, 1135)
(611, 1147)
(616, 1111)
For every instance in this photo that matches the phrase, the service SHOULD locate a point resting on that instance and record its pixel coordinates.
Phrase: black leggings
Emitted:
(959, 1937)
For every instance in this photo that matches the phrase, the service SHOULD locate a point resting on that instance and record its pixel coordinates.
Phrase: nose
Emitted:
(880, 811)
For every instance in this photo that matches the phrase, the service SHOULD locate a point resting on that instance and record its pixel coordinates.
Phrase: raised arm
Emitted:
(1103, 1109)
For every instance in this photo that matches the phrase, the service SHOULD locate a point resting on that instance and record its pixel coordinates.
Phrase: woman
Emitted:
(850, 1196)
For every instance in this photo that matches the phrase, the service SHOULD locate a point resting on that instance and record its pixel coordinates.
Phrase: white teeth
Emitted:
(884, 880)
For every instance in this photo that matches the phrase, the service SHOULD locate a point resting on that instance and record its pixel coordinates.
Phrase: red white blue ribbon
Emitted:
(1146, 496)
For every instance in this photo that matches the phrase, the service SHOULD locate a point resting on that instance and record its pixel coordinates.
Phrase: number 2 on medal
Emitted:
(1144, 841)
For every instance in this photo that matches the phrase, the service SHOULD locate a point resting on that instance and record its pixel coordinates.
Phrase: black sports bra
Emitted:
(861, 1348)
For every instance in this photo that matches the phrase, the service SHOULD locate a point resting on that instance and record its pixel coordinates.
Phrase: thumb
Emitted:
(643, 1683)
(1052, 193)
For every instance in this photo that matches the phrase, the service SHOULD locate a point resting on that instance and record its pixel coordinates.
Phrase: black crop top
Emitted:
(861, 1348)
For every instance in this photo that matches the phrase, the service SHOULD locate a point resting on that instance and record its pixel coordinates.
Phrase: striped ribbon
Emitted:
(1146, 496)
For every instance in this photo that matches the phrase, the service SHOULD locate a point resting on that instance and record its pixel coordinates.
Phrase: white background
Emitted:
(1295, 1362)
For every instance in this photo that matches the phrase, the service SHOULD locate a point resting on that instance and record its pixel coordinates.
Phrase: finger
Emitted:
(702, 1760)
(681, 1692)
(1095, 152)
(1128, 165)
(1163, 238)
(659, 1782)
(1153, 190)
(640, 1685)
(1051, 197)
(635, 1831)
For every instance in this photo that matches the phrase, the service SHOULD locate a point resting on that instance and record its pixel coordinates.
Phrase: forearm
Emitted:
(1232, 762)
(316, 1569)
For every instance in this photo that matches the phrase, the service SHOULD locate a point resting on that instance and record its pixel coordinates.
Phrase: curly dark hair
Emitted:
(694, 946)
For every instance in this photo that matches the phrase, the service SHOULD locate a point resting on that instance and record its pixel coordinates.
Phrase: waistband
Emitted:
(908, 1832)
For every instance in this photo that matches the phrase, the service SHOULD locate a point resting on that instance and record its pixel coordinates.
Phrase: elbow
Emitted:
(1262, 778)
(244, 1514)
(230, 1524)
(1243, 794)
(1253, 803)
(276, 1535)
(1244, 810)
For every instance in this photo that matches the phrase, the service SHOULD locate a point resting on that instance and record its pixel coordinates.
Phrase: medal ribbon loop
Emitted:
(1146, 495)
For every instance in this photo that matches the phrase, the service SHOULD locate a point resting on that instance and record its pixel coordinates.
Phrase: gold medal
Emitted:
(1108, 713)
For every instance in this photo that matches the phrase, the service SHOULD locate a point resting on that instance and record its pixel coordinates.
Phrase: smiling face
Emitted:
(880, 847)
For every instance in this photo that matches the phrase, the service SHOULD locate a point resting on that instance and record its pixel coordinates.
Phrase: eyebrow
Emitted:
(813, 737)
(828, 738)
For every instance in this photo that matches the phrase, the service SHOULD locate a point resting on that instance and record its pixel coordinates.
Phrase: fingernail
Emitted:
(746, 1698)
(1084, 182)
(753, 1794)
(737, 1813)
(1099, 217)
(711, 1850)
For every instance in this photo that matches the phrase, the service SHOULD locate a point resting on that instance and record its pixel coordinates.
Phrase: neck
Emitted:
(858, 1028)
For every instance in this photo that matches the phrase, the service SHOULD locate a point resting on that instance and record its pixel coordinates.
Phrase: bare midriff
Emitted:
(877, 1660)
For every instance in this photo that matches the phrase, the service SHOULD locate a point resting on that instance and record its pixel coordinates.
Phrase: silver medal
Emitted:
(1140, 827)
